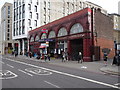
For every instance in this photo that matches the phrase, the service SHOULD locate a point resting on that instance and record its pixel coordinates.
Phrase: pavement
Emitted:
(95, 66)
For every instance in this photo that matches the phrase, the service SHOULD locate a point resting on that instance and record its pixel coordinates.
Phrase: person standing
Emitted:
(48, 56)
(105, 57)
(80, 57)
(63, 56)
(45, 57)
(30, 54)
(16, 53)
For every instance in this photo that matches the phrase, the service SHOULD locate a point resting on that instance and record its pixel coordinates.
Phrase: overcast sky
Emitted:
(110, 5)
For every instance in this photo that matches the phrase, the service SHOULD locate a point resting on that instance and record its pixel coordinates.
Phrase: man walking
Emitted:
(80, 57)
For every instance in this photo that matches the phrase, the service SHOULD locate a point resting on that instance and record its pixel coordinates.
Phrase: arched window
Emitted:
(37, 38)
(43, 36)
(51, 34)
(62, 32)
(32, 39)
(76, 28)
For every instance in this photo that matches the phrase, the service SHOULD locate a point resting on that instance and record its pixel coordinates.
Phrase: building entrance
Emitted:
(51, 48)
(76, 47)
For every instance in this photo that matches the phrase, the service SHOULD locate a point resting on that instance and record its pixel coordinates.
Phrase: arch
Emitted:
(51, 34)
(62, 32)
(37, 38)
(43, 36)
(76, 28)
(32, 39)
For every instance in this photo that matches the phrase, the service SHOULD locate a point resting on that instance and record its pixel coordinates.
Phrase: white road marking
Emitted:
(10, 66)
(25, 72)
(38, 71)
(117, 84)
(52, 84)
(67, 74)
(2, 62)
(84, 67)
(9, 74)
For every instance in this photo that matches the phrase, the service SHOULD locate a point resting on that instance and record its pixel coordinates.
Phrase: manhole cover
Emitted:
(38, 71)
(6, 74)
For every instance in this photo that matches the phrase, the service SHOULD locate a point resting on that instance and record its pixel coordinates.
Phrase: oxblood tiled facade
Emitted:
(86, 38)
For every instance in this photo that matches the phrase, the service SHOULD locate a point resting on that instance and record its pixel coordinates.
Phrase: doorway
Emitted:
(76, 47)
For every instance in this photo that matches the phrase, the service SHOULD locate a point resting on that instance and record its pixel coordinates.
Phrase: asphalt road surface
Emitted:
(32, 74)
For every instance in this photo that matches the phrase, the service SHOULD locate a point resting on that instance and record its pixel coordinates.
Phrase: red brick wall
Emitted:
(105, 43)
(104, 30)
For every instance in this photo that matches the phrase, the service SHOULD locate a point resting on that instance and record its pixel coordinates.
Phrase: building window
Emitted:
(23, 30)
(8, 30)
(7, 38)
(20, 30)
(30, 14)
(35, 22)
(19, 2)
(76, 28)
(32, 39)
(20, 15)
(23, 15)
(17, 31)
(37, 38)
(37, 2)
(30, 1)
(30, 28)
(14, 4)
(9, 8)
(62, 32)
(44, 3)
(8, 21)
(8, 26)
(36, 15)
(23, 8)
(51, 34)
(23, 1)
(8, 35)
(29, 6)
(35, 8)
(23, 23)
(29, 22)
(8, 16)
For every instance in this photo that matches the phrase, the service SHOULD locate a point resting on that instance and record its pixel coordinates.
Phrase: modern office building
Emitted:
(7, 44)
(31, 14)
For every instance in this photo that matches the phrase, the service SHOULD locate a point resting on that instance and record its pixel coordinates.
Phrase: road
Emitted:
(31, 74)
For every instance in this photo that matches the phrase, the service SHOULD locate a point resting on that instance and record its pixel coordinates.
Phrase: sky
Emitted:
(110, 5)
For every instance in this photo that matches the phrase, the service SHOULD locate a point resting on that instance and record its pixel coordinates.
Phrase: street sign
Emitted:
(44, 31)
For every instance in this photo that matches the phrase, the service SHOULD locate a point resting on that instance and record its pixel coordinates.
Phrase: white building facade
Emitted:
(119, 7)
(30, 14)
(6, 42)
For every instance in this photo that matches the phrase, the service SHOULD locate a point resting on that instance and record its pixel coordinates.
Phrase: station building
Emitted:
(88, 31)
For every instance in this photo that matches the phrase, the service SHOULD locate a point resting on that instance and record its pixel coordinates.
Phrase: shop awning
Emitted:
(42, 46)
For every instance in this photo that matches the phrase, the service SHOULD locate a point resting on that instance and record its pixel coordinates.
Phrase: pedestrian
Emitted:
(16, 53)
(105, 57)
(30, 54)
(118, 60)
(66, 56)
(114, 60)
(63, 56)
(80, 57)
(45, 57)
(12, 52)
(48, 56)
